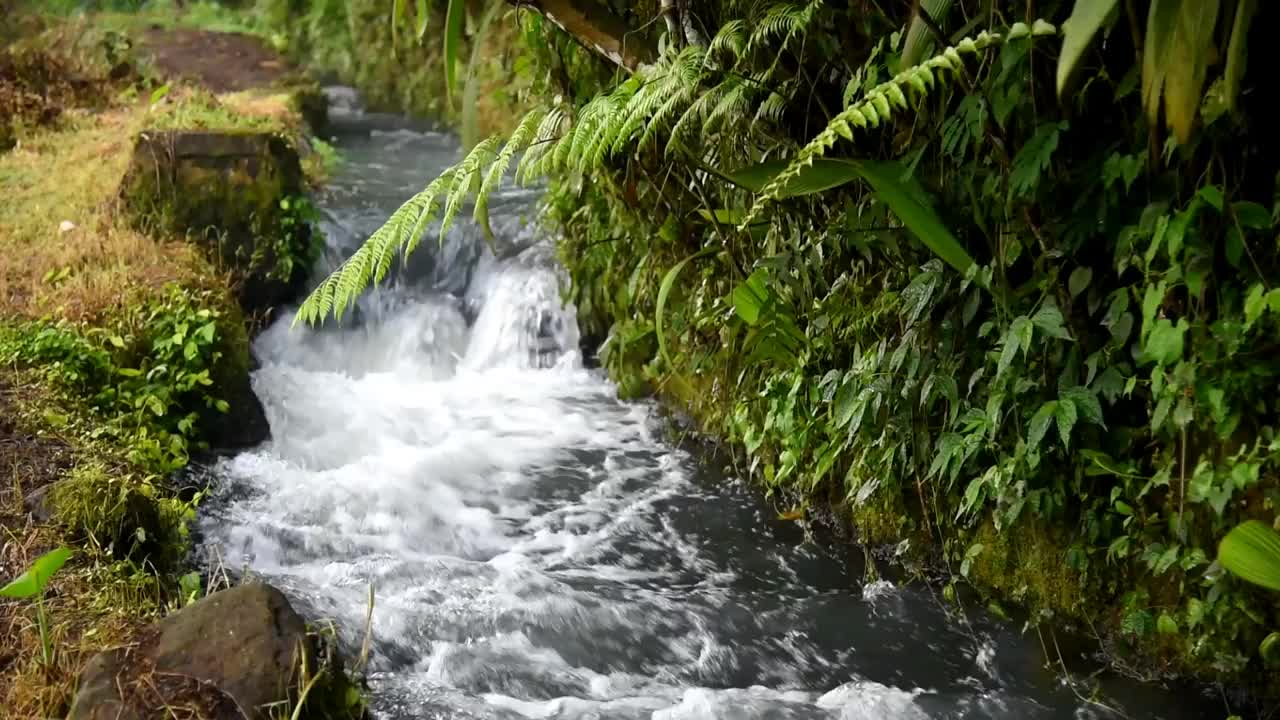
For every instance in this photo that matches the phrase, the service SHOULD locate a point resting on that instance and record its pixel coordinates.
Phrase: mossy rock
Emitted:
(239, 653)
(234, 194)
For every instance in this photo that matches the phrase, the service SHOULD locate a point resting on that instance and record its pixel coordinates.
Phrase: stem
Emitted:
(41, 623)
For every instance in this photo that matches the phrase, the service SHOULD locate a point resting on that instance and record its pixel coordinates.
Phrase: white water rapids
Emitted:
(537, 549)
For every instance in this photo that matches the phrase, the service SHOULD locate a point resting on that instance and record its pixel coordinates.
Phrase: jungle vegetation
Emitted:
(998, 281)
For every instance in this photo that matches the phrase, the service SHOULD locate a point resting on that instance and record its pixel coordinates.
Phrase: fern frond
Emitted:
(642, 107)
(429, 196)
(784, 21)
(695, 115)
(518, 141)
(370, 264)
(772, 108)
(735, 101)
(606, 124)
(881, 102)
(466, 180)
(730, 41)
(549, 130)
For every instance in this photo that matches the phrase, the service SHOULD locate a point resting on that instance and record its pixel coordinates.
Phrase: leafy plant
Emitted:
(32, 583)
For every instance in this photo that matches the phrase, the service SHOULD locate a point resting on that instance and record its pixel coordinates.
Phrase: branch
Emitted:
(597, 29)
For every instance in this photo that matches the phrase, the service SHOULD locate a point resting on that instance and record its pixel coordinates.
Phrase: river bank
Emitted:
(154, 216)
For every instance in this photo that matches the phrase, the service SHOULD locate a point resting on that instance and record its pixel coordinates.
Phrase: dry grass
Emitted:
(72, 176)
(89, 605)
(72, 172)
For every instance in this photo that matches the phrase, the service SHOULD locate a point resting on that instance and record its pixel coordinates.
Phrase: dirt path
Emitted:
(222, 62)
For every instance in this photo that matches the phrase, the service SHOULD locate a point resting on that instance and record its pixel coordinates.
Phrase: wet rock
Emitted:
(37, 505)
(236, 653)
(235, 194)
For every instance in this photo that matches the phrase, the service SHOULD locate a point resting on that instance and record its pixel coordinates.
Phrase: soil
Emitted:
(30, 463)
(221, 62)
(37, 86)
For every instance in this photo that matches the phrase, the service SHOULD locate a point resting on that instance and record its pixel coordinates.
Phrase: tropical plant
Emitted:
(32, 584)
(920, 290)
(1251, 551)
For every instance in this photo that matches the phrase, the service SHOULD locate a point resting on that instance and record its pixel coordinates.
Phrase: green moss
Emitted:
(1027, 564)
(120, 515)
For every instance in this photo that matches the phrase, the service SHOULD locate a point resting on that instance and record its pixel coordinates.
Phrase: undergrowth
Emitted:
(999, 325)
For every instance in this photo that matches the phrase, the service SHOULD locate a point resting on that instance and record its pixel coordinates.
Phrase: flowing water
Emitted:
(537, 549)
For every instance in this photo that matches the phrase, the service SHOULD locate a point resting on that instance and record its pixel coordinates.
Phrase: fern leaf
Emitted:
(730, 40)
(466, 181)
(549, 130)
(881, 102)
(518, 141)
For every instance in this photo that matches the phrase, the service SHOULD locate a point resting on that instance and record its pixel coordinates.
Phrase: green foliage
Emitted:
(146, 381)
(122, 516)
(1252, 551)
(935, 298)
(33, 582)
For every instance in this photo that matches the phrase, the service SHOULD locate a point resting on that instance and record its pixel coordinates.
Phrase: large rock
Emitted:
(236, 194)
(236, 653)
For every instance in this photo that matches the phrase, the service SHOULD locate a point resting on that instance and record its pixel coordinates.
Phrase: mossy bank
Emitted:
(150, 226)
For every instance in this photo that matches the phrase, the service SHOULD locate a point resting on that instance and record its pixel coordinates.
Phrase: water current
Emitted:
(536, 547)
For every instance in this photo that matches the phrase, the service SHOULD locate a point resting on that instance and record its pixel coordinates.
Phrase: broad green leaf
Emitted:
(397, 12)
(1086, 402)
(1009, 352)
(823, 174)
(1269, 650)
(470, 123)
(1251, 215)
(885, 179)
(1162, 18)
(1187, 62)
(1078, 32)
(1040, 424)
(664, 291)
(36, 578)
(1165, 343)
(1236, 51)
(918, 34)
(1065, 413)
(846, 403)
(1049, 320)
(919, 218)
(422, 12)
(1079, 280)
(1211, 194)
(1166, 625)
(1023, 330)
(749, 297)
(453, 43)
(1251, 552)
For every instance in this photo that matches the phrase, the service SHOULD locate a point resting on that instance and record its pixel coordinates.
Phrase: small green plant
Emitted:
(32, 583)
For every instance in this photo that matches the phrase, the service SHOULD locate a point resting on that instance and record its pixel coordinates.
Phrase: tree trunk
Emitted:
(596, 28)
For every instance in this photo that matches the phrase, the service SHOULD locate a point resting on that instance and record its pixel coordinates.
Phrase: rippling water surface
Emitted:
(537, 549)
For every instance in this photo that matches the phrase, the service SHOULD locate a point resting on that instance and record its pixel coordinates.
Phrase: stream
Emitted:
(537, 548)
